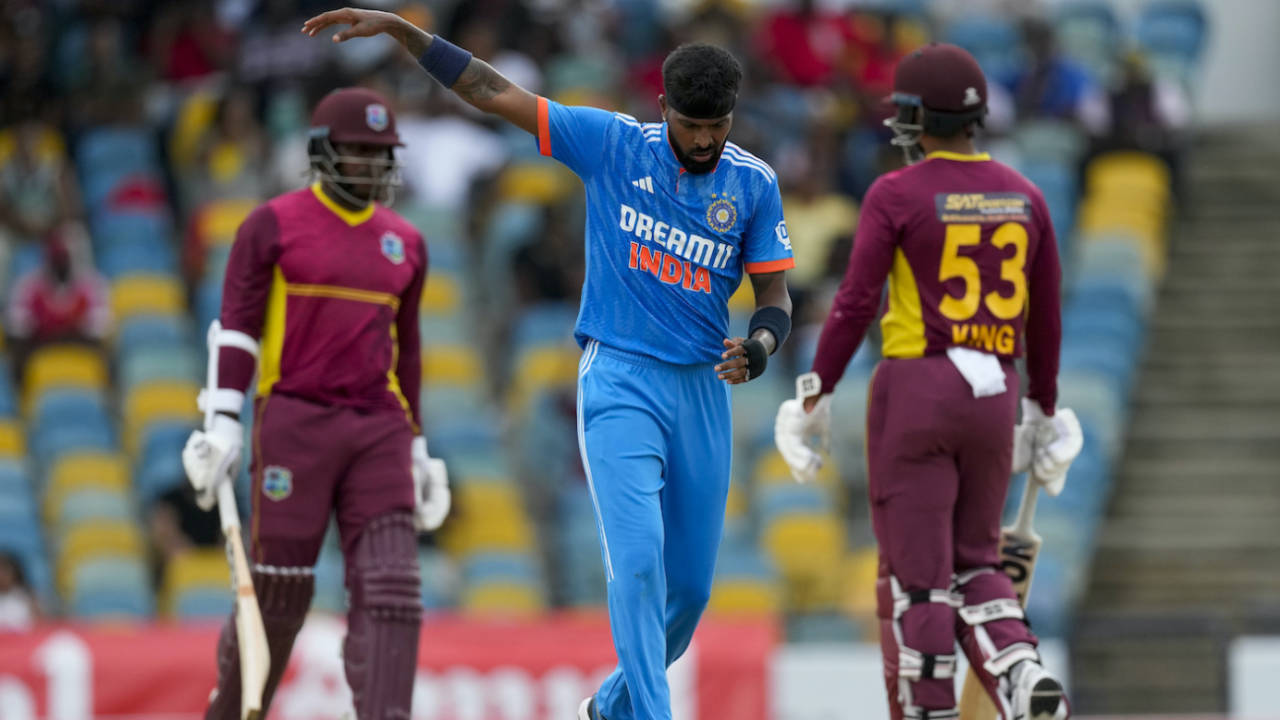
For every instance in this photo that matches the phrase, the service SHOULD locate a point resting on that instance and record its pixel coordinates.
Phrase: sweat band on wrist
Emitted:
(444, 61)
(775, 320)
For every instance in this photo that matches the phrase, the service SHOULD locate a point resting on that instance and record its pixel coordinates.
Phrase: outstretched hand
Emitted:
(364, 23)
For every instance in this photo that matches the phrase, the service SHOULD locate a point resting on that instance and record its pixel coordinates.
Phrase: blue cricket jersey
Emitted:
(665, 248)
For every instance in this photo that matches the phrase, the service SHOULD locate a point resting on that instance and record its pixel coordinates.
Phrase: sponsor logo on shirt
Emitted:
(685, 256)
(721, 214)
(277, 482)
(392, 247)
(645, 183)
(997, 207)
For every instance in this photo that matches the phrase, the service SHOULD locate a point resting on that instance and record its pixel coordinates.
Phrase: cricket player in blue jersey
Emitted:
(675, 213)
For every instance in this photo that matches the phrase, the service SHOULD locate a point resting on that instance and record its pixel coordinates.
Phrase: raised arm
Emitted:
(478, 83)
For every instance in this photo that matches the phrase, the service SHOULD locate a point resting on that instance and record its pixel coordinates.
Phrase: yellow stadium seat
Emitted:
(459, 536)
(504, 599)
(860, 570)
(538, 183)
(441, 294)
(62, 366)
(771, 469)
(1128, 172)
(194, 118)
(12, 441)
(539, 368)
(218, 221)
(456, 365)
(744, 597)
(743, 300)
(736, 504)
(91, 470)
(146, 294)
(807, 549)
(191, 569)
(96, 539)
(173, 400)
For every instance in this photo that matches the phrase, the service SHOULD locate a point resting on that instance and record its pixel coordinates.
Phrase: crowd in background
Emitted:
(224, 89)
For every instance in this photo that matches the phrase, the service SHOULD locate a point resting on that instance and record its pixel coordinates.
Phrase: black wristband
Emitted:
(775, 320)
(444, 61)
(757, 358)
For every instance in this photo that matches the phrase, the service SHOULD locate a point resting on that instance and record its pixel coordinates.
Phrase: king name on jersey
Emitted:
(687, 255)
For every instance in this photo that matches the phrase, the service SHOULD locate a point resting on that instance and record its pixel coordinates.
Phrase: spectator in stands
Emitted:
(1147, 114)
(110, 88)
(18, 610)
(175, 525)
(38, 189)
(550, 269)
(808, 45)
(186, 42)
(232, 157)
(1050, 85)
(64, 300)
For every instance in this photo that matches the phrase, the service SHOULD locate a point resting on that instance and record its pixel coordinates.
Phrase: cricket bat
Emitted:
(1019, 548)
(251, 636)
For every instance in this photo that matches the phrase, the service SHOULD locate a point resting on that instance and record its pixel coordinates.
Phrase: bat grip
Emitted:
(1027, 508)
(227, 510)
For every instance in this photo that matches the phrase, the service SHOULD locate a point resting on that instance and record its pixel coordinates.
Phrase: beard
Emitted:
(697, 167)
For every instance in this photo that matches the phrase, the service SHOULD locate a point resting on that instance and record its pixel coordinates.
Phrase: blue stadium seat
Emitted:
(208, 301)
(779, 499)
(26, 257)
(149, 229)
(993, 41)
(482, 567)
(159, 362)
(116, 149)
(202, 603)
(146, 330)
(331, 590)
(49, 443)
(14, 478)
(8, 395)
(141, 255)
(134, 603)
(67, 405)
(1172, 27)
(548, 323)
(87, 505)
(160, 461)
(1112, 362)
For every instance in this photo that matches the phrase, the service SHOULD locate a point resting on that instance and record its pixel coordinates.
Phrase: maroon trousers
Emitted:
(938, 462)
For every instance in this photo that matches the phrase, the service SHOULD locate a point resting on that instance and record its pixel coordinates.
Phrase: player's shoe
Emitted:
(1034, 694)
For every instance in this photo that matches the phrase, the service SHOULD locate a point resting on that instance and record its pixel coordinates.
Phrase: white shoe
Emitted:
(1035, 694)
(584, 710)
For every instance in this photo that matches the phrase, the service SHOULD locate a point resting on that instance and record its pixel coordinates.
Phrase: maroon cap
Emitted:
(944, 77)
(356, 115)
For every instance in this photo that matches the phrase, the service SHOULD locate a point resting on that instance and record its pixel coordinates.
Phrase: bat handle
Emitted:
(227, 510)
(1027, 508)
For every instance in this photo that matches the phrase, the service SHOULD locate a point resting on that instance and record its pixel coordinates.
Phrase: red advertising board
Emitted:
(467, 670)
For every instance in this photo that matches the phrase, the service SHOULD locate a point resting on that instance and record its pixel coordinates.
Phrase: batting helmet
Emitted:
(939, 90)
(355, 116)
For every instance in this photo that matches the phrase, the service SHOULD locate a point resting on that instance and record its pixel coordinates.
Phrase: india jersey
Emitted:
(665, 248)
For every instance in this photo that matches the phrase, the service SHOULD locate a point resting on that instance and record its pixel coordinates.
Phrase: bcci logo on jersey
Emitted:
(277, 482)
(393, 247)
(721, 215)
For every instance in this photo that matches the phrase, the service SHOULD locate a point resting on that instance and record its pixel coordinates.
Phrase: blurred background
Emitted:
(135, 135)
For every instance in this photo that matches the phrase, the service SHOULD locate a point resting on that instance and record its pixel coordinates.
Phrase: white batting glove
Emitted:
(1024, 435)
(1059, 440)
(211, 457)
(802, 436)
(432, 498)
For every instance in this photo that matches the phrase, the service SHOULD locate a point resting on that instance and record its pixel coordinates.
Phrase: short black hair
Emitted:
(701, 80)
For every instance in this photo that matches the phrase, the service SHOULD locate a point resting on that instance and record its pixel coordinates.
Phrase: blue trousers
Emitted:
(656, 445)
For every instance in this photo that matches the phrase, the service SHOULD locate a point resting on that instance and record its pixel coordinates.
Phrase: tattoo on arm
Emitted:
(480, 82)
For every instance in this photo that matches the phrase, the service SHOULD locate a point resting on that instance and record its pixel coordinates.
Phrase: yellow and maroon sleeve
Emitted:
(857, 301)
(245, 290)
(409, 356)
(1044, 314)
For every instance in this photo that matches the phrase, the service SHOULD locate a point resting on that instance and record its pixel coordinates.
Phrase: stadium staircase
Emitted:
(1189, 555)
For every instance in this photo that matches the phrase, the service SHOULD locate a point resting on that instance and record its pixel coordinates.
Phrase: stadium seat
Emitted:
(47, 444)
(484, 567)
(451, 365)
(545, 324)
(108, 587)
(80, 471)
(8, 395)
(158, 464)
(13, 444)
(146, 295)
(442, 293)
(13, 476)
(540, 367)
(196, 583)
(90, 506)
(744, 596)
(805, 547)
(165, 401)
(536, 182)
(145, 364)
(503, 600)
(90, 541)
(62, 366)
(1088, 32)
(217, 221)
(151, 228)
(153, 329)
(140, 256)
(992, 40)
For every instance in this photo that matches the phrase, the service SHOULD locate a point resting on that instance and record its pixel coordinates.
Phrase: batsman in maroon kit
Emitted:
(970, 257)
(321, 300)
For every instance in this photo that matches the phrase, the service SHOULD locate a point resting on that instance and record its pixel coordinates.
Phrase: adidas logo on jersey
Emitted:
(645, 183)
